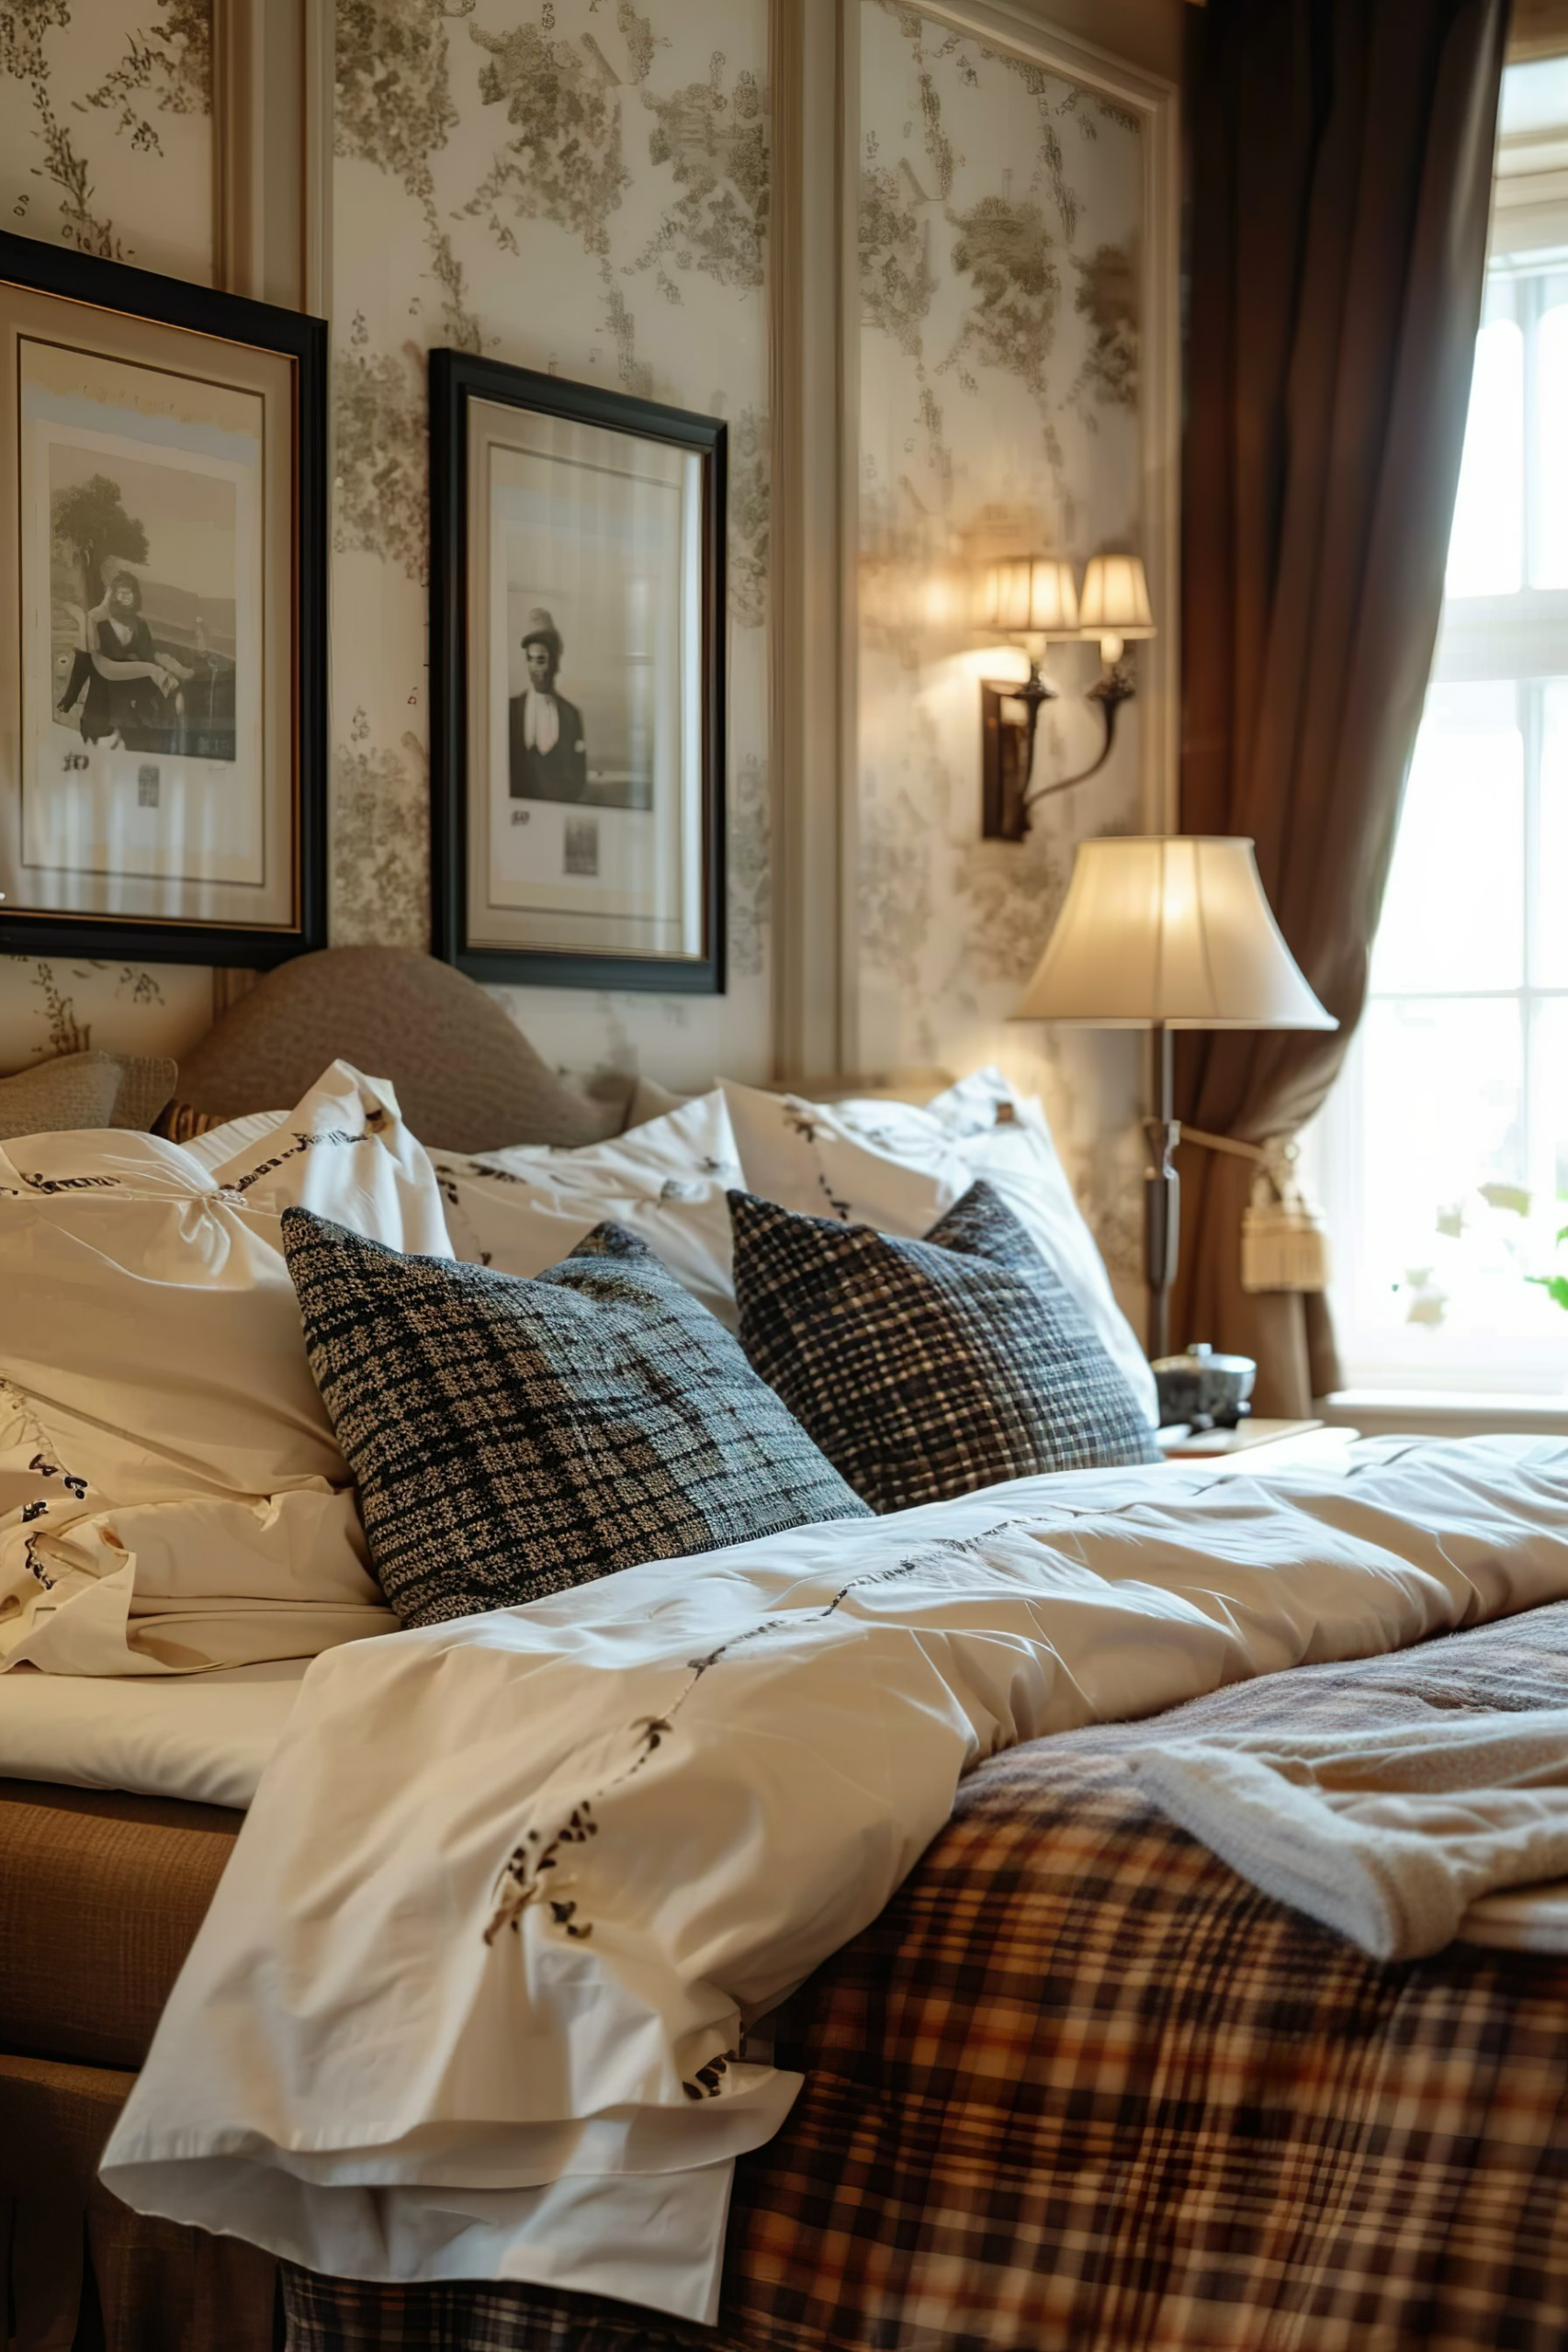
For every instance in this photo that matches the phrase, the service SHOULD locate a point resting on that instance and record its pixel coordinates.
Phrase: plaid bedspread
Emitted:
(1080, 2086)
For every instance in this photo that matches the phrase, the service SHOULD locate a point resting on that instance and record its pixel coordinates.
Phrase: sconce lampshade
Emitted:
(1031, 596)
(1170, 932)
(1115, 600)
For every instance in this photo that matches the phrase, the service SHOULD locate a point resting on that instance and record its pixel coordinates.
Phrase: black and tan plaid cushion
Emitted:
(182, 1122)
(925, 1369)
(512, 1438)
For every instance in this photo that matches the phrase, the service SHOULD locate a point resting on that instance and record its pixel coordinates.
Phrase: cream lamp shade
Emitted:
(1170, 932)
(1115, 603)
(1033, 595)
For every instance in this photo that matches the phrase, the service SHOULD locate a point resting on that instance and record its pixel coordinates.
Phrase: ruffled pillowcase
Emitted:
(171, 1496)
(523, 1211)
(897, 1169)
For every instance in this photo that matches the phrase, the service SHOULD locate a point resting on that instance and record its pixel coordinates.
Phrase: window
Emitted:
(1443, 1154)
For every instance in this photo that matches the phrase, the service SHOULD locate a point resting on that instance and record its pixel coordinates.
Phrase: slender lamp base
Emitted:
(1162, 1191)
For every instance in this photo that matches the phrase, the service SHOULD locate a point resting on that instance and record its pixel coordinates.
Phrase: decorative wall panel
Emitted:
(576, 186)
(1000, 392)
(106, 144)
(106, 130)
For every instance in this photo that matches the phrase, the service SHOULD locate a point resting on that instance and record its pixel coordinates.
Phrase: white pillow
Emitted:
(897, 1168)
(524, 1209)
(171, 1496)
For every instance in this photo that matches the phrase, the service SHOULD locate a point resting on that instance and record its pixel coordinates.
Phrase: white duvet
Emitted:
(470, 1999)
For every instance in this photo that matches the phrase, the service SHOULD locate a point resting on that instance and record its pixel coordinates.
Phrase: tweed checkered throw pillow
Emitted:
(925, 1369)
(513, 1438)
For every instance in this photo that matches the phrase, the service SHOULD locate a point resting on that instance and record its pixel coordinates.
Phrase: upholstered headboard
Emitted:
(465, 1078)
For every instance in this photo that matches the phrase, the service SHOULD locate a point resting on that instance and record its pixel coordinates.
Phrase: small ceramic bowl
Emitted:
(1205, 1390)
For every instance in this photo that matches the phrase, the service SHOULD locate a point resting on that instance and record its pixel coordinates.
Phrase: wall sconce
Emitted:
(1034, 599)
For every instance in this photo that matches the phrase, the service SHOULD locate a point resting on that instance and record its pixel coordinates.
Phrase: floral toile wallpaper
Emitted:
(106, 144)
(574, 185)
(580, 186)
(105, 128)
(998, 369)
(583, 184)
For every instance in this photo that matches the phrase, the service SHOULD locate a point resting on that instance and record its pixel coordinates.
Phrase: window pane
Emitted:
(1453, 918)
(1443, 1111)
(1551, 1121)
(1551, 877)
(1486, 550)
(1550, 567)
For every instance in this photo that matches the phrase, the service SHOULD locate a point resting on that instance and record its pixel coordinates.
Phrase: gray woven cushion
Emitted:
(467, 1079)
(75, 1090)
(514, 1438)
(146, 1084)
(925, 1369)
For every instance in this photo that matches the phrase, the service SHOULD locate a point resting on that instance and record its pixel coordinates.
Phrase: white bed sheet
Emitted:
(204, 1737)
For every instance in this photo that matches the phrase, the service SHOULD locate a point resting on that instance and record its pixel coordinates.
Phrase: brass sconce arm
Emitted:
(1110, 690)
(1009, 750)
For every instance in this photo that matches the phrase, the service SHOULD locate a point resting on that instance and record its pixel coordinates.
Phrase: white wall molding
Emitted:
(273, 65)
(811, 589)
(272, 86)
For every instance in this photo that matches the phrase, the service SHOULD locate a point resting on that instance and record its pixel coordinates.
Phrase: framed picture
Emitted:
(577, 676)
(163, 616)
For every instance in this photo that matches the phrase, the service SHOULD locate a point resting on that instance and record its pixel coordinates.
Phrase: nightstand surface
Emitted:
(1264, 1445)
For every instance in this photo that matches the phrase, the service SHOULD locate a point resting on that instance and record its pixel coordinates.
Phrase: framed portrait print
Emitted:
(163, 616)
(577, 677)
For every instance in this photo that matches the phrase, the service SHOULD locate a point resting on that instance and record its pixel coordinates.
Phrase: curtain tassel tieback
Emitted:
(1284, 1242)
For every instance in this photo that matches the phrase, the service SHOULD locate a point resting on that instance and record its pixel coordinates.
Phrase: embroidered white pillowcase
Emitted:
(666, 1181)
(899, 1168)
(171, 1496)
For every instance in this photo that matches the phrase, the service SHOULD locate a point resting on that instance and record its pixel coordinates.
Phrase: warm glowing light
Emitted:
(1033, 595)
(1115, 603)
(1173, 931)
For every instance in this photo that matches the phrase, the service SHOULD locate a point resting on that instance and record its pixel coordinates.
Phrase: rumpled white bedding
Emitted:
(1399, 1840)
(201, 1737)
(469, 1998)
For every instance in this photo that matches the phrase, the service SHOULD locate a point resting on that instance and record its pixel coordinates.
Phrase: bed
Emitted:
(1077, 2084)
(118, 1807)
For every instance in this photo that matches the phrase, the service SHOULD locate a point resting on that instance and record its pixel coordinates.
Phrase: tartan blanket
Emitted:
(1081, 2087)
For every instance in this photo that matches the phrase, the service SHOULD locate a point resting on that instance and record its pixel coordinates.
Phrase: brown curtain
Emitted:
(1341, 177)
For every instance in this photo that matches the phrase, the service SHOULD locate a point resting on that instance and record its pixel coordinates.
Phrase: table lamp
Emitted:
(1167, 933)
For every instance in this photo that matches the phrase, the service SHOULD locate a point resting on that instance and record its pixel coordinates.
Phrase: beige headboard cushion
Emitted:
(465, 1078)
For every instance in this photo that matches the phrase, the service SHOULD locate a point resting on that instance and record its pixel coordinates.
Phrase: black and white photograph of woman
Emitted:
(120, 690)
(145, 658)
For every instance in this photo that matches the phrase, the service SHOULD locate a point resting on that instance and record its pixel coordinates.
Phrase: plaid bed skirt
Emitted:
(1081, 2087)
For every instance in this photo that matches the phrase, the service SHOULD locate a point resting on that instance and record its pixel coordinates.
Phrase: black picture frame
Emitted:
(98, 285)
(457, 378)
